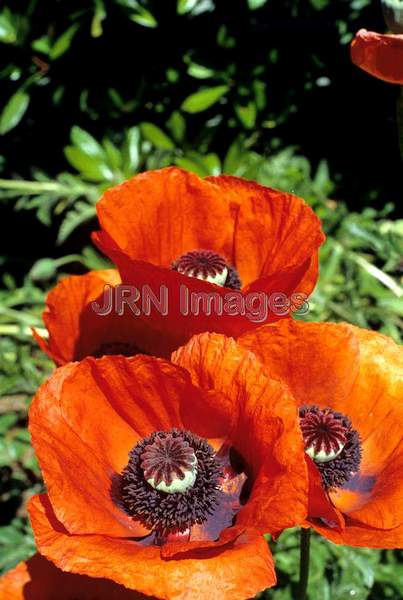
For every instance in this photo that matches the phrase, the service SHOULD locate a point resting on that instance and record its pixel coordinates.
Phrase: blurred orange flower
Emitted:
(39, 579)
(381, 55)
(161, 485)
(348, 383)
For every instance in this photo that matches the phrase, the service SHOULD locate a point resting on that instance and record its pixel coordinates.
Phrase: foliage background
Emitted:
(93, 92)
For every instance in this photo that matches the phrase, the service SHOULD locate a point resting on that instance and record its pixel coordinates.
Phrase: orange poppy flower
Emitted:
(76, 330)
(380, 55)
(221, 236)
(162, 486)
(267, 239)
(348, 383)
(39, 579)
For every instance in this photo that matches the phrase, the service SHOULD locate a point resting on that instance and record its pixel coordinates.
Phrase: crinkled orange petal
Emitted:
(86, 419)
(375, 408)
(76, 330)
(357, 534)
(261, 231)
(264, 427)
(317, 361)
(360, 374)
(159, 215)
(39, 579)
(275, 232)
(236, 570)
(380, 55)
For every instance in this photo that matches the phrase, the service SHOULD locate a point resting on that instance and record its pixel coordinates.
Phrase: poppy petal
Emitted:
(39, 579)
(86, 419)
(236, 570)
(307, 357)
(159, 215)
(356, 534)
(63, 317)
(358, 373)
(275, 232)
(380, 55)
(375, 495)
(264, 427)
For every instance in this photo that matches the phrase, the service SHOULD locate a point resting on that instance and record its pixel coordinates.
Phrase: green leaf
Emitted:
(88, 144)
(13, 111)
(43, 270)
(144, 17)
(202, 165)
(203, 99)
(8, 32)
(41, 44)
(156, 136)
(99, 16)
(177, 126)
(234, 157)
(195, 7)
(199, 71)
(185, 6)
(246, 114)
(131, 151)
(82, 213)
(113, 155)
(254, 4)
(62, 44)
(92, 168)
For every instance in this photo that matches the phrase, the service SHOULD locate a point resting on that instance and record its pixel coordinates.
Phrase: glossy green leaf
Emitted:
(92, 168)
(86, 142)
(13, 111)
(247, 114)
(200, 71)
(156, 136)
(144, 17)
(113, 154)
(203, 99)
(63, 43)
(8, 32)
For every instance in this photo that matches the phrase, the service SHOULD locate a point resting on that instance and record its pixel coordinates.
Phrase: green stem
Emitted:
(31, 187)
(304, 563)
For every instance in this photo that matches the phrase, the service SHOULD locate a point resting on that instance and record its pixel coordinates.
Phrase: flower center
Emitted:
(332, 443)
(171, 481)
(208, 266)
(169, 464)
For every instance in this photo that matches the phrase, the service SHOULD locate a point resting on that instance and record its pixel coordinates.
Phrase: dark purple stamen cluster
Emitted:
(327, 430)
(206, 263)
(156, 509)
